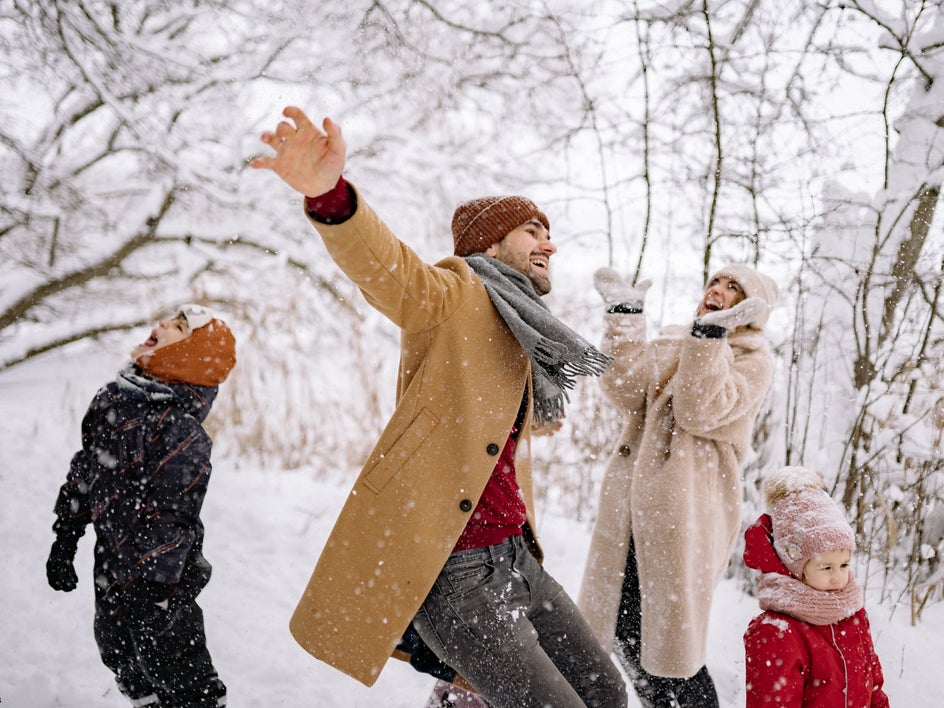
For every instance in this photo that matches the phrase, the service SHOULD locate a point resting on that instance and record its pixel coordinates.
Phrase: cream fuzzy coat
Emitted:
(674, 483)
(461, 381)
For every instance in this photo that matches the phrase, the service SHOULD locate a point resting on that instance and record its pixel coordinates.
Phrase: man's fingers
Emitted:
(284, 130)
(265, 162)
(298, 122)
(298, 117)
(262, 163)
(331, 129)
(333, 132)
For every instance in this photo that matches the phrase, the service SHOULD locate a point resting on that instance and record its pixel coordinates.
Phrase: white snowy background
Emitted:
(316, 372)
(264, 530)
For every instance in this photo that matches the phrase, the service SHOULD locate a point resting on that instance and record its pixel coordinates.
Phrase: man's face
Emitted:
(527, 249)
(722, 293)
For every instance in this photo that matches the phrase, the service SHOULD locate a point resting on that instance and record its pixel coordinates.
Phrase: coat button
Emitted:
(492, 449)
(465, 505)
(624, 451)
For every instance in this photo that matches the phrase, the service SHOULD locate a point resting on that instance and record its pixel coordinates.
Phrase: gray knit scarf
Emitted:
(558, 354)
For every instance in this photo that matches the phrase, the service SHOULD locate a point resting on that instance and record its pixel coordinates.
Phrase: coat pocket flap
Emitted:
(402, 450)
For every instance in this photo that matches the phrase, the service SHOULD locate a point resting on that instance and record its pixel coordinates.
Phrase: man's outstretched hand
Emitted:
(309, 159)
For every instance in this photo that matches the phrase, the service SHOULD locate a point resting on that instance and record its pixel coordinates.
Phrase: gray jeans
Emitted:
(502, 622)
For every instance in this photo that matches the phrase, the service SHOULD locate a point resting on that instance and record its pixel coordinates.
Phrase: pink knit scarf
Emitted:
(789, 596)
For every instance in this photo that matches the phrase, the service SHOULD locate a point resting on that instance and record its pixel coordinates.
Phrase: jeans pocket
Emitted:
(468, 578)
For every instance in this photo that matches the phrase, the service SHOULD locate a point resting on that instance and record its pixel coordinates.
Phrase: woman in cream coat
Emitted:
(670, 504)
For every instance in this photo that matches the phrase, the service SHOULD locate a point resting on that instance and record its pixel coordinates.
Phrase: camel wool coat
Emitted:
(461, 382)
(673, 484)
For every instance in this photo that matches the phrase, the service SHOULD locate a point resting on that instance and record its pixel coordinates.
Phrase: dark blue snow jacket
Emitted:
(140, 479)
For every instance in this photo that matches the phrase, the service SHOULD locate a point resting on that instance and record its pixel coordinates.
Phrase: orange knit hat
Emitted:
(205, 358)
(479, 223)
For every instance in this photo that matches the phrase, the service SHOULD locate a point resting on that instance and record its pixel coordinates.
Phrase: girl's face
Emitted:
(166, 333)
(828, 571)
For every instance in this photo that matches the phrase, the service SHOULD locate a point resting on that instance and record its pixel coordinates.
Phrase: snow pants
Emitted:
(510, 630)
(653, 691)
(159, 656)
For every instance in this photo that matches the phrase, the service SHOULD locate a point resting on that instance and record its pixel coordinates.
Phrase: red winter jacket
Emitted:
(794, 664)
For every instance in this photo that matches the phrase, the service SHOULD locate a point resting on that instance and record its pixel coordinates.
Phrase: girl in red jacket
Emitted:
(811, 646)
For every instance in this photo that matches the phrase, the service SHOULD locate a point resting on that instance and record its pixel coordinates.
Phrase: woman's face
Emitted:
(166, 333)
(722, 293)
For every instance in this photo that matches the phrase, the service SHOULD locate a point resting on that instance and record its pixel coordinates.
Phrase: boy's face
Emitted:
(828, 571)
(166, 333)
(722, 293)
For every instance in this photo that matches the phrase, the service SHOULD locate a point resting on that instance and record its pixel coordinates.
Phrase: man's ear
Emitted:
(492, 250)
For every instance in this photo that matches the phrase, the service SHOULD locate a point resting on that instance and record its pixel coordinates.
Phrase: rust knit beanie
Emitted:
(479, 223)
(205, 358)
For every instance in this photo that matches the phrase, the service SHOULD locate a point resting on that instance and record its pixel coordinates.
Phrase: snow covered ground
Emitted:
(264, 529)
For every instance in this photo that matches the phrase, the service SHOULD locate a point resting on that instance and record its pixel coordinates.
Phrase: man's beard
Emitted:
(541, 283)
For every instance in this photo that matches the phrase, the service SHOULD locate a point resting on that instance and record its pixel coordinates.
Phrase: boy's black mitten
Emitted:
(60, 572)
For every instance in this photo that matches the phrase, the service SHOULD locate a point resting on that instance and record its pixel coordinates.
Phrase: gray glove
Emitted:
(716, 324)
(618, 293)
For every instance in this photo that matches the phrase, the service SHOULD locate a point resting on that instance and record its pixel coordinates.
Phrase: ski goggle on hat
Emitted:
(197, 316)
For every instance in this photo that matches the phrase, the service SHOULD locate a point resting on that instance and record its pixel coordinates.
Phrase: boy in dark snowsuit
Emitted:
(140, 479)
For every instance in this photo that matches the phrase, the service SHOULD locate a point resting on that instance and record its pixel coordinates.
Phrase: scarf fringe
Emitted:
(550, 410)
(550, 357)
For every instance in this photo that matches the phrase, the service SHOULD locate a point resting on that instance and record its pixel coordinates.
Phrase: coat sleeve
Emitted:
(178, 468)
(74, 504)
(625, 380)
(714, 390)
(72, 507)
(776, 663)
(413, 294)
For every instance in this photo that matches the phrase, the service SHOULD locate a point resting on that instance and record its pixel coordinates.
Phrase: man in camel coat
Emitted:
(670, 503)
(436, 541)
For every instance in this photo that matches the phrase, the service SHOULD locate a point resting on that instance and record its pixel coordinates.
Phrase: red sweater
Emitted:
(500, 512)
